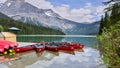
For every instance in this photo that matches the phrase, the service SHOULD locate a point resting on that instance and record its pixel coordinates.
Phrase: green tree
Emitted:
(110, 34)
(115, 13)
(114, 10)
(101, 25)
(105, 22)
(1, 28)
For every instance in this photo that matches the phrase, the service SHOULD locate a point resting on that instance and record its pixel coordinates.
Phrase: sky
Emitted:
(82, 11)
(75, 3)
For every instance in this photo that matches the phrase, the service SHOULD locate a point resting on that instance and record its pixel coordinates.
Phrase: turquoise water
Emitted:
(90, 58)
(87, 40)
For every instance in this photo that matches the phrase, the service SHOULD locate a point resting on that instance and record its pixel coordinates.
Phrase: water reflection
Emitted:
(79, 50)
(7, 59)
(63, 59)
(87, 58)
(30, 57)
(68, 52)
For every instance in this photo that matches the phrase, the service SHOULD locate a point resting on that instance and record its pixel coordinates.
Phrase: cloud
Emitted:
(85, 14)
(63, 10)
(43, 4)
(2, 1)
(88, 13)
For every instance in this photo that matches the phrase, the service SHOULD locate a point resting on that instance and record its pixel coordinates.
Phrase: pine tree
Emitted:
(114, 9)
(105, 22)
(1, 28)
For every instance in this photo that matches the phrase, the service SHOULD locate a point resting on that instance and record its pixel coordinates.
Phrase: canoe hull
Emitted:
(69, 48)
(23, 49)
(51, 48)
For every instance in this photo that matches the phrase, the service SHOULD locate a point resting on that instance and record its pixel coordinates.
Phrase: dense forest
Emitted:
(109, 34)
(25, 28)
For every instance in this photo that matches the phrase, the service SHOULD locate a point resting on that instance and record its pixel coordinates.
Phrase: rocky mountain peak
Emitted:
(26, 12)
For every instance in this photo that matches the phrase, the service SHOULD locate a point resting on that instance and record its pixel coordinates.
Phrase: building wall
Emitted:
(12, 39)
(8, 36)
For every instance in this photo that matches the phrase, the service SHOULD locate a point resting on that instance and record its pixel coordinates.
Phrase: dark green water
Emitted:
(90, 58)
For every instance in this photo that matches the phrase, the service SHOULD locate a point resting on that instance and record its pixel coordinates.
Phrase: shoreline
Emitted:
(61, 35)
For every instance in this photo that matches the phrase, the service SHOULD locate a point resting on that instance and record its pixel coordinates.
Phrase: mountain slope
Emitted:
(25, 12)
(2, 16)
(27, 28)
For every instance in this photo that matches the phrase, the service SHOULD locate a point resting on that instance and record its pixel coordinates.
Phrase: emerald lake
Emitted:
(88, 58)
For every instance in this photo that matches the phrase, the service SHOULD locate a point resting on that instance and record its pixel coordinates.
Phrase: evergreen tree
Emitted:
(101, 25)
(110, 34)
(27, 28)
(115, 13)
(1, 28)
(105, 22)
(114, 9)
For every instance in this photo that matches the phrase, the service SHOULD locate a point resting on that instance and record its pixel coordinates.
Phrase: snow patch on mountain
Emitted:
(8, 4)
(1, 4)
(48, 13)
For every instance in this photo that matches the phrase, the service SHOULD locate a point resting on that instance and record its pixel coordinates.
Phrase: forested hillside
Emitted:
(109, 34)
(26, 28)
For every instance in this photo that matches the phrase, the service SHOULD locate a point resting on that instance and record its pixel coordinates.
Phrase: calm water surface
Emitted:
(89, 57)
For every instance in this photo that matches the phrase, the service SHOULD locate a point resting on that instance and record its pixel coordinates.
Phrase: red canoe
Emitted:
(5, 46)
(39, 47)
(78, 46)
(11, 44)
(63, 47)
(74, 45)
(2, 50)
(51, 48)
(24, 48)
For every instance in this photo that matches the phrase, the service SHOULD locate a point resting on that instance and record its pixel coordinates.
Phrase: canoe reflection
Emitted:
(68, 52)
(79, 50)
(23, 53)
(54, 53)
(7, 59)
(30, 57)
(45, 54)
